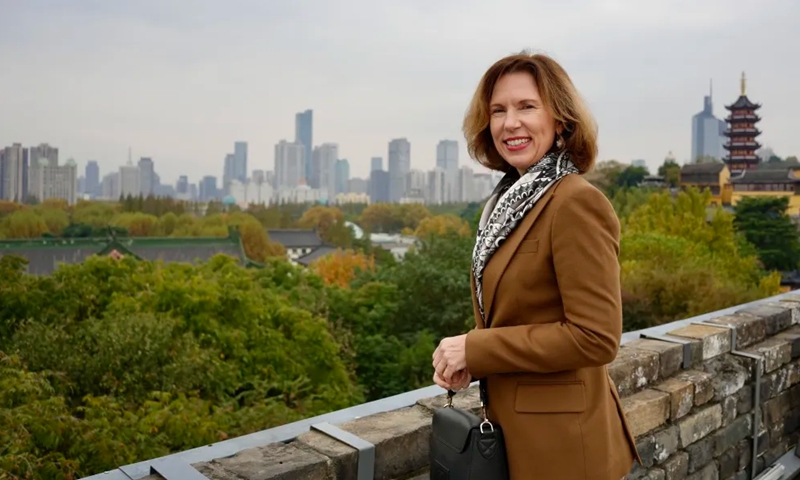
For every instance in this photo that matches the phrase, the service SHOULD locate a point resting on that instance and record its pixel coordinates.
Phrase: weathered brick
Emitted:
(697, 426)
(775, 409)
(633, 370)
(744, 400)
(401, 439)
(791, 335)
(793, 376)
(774, 383)
(468, 399)
(681, 395)
(729, 463)
(749, 329)
(709, 472)
(791, 422)
(728, 410)
(666, 442)
(700, 453)
(276, 461)
(776, 353)
(794, 303)
(677, 467)
(646, 410)
(730, 436)
(703, 388)
(777, 318)
(646, 446)
(670, 354)
(775, 452)
(728, 375)
(715, 340)
(655, 474)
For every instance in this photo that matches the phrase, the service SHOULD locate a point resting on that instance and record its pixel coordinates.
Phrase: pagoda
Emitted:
(742, 133)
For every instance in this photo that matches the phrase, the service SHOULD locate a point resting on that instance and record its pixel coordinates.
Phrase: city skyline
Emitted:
(180, 87)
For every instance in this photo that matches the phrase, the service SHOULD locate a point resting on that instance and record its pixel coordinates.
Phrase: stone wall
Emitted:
(691, 408)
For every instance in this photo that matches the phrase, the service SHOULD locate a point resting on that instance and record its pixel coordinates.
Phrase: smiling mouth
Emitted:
(517, 141)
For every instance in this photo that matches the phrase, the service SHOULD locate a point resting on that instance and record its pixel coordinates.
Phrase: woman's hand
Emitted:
(461, 380)
(450, 357)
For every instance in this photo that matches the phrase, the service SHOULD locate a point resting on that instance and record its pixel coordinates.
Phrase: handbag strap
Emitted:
(484, 399)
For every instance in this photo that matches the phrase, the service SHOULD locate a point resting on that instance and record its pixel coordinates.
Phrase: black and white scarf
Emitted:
(508, 205)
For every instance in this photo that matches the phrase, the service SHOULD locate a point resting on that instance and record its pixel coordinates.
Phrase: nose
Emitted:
(512, 120)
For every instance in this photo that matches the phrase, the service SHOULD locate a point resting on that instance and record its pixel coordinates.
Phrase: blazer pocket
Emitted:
(551, 397)
(529, 246)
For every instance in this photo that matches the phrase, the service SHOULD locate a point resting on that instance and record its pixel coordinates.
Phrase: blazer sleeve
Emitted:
(585, 248)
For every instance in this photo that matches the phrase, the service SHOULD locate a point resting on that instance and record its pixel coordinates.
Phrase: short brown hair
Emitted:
(558, 94)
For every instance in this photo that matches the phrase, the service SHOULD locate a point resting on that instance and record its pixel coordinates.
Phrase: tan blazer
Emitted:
(552, 298)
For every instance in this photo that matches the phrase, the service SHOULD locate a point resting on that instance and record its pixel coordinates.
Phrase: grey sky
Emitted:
(181, 80)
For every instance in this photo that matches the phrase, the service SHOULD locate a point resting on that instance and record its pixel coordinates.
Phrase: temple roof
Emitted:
(45, 254)
(743, 103)
(702, 168)
(766, 175)
(295, 237)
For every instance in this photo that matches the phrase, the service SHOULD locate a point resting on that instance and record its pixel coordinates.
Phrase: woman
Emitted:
(545, 278)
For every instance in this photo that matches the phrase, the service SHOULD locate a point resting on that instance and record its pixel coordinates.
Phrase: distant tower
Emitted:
(742, 133)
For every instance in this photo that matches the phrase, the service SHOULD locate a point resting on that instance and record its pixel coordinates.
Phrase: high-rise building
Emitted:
(399, 166)
(92, 173)
(375, 163)
(15, 173)
(129, 179)
(342, 176)
(447, 160)
(304, 135)
(44, 152)
(289, 164)
(707, 132)
(240, 161)
(742, 133)
(323, 168)
(208, 188)
(147, 174)
(54, 181)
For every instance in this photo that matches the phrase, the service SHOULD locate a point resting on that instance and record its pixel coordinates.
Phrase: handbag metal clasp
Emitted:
(449, 403)
(485, 419)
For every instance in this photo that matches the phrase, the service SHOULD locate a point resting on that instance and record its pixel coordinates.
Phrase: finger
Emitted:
(448, 374)
(438, 381)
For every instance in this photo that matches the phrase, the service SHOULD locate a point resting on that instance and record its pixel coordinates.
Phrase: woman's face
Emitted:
(522, 128)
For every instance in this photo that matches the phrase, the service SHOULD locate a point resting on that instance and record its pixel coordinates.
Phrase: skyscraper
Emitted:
(240, 161)
(447, 160)
(707, 132)
(92, 172)
(304, 135)
(399, 166)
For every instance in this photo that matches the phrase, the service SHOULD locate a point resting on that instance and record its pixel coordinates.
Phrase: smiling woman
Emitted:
(546, 283)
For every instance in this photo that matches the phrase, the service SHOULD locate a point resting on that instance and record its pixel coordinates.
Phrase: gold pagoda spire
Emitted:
(743, 83)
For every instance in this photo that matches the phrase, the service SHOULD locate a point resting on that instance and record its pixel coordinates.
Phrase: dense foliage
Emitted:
(114, 361)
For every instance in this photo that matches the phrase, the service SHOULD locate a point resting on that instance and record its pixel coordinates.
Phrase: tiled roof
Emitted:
(295, 237)
(770, 175)
(320, 252)
(45, 254)
(691, 168)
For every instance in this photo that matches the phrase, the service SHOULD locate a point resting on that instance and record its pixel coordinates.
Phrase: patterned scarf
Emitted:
(508, 205)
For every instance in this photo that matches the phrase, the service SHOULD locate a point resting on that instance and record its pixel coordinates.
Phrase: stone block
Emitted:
(715, 340)
(776, 352)
(745, 450)
(654, 474)
(697, 426)
(744, 400)
(777, 318)
(775, 409)
(670, 354)
(729, 463)
(703, 387)
(468, 399)
(709, 472)
(666, 442)
(633, 370)
(646, 410)
(677, 467)
(749, 329)
(794, 303)
(732, 435)
(401, 438)
(681, 395)
(728, 410)
(728, 376)
(774, 383)
(700, 453)
(646, 446)
(276, 461)
(792, 336)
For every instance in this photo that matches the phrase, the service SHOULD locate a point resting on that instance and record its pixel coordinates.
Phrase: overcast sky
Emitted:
(181, 80)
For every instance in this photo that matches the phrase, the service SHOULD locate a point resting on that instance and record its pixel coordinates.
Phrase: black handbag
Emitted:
(465, 446)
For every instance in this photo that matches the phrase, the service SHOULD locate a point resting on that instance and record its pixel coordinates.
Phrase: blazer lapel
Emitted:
(499, 261)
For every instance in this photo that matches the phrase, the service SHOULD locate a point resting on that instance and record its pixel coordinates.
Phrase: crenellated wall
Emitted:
(688, 394)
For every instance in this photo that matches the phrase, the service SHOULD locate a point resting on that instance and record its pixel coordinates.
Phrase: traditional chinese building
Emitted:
(742, 133)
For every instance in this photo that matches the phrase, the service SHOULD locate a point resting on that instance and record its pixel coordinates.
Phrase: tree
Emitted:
(765, 224)
(441, 225)
(671, 172)
(339, 268)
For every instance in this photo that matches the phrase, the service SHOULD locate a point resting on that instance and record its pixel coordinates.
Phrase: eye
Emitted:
(496, 111)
